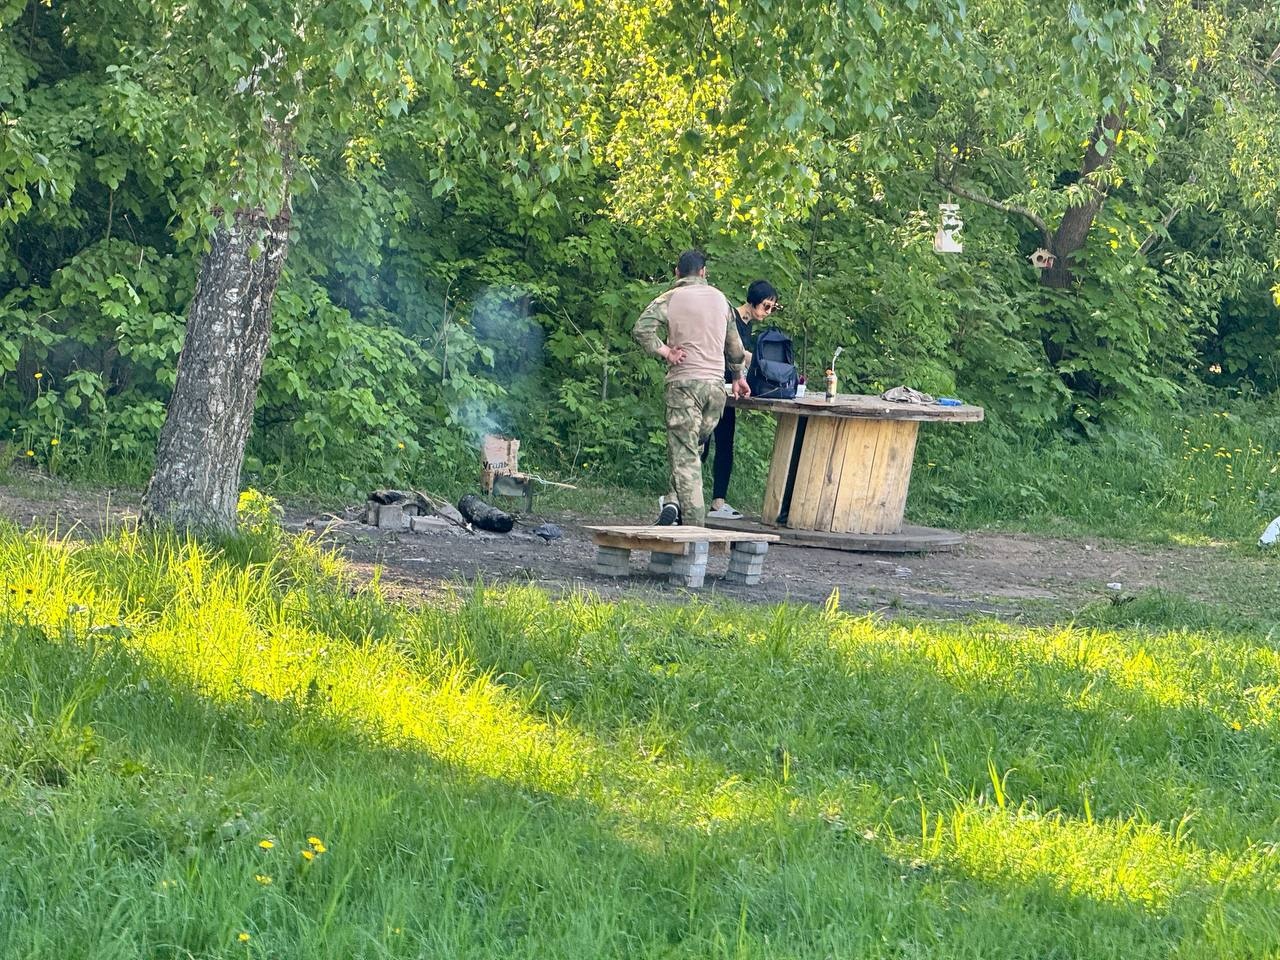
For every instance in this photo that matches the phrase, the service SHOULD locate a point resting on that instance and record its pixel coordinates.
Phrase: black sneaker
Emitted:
(669, 517)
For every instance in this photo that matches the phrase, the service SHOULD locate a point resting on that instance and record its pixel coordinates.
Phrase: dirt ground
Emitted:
(1008, 575)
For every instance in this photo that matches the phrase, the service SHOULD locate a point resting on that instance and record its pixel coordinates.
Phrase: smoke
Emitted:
(476, 418)
(511, 343)
(502, 323)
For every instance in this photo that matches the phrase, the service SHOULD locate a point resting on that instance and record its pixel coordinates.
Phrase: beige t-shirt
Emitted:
(696, 316)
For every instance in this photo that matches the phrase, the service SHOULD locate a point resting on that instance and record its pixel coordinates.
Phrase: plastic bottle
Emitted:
(831, 385)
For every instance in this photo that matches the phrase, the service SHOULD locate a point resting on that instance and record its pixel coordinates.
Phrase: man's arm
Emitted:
(645, 332)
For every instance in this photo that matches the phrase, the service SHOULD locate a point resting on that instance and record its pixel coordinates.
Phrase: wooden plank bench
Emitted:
(680, 553)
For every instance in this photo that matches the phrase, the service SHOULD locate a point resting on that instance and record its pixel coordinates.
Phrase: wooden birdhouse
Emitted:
(1042, 259)
(944, 241)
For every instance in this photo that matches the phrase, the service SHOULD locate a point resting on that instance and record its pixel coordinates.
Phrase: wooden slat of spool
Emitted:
(815, 458)
(882, 509)
(829, 493)
(894, 460)
(783, 441)
(855, 493)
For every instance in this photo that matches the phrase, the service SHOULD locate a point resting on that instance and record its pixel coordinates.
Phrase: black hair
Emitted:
(690, 262)
(760, 291)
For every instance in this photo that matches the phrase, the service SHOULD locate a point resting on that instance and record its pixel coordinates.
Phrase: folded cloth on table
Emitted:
(905, 395)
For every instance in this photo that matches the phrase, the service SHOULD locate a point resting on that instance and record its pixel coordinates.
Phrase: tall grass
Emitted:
(1207, 474)
(234, 753)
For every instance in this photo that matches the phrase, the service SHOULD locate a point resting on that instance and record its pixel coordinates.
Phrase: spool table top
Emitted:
(861, 406)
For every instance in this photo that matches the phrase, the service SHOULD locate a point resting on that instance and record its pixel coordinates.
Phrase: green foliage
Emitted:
(483, 203)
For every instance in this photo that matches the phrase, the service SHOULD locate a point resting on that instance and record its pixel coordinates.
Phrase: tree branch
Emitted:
(1262, 72)
(1154, 236)
(1002, 206)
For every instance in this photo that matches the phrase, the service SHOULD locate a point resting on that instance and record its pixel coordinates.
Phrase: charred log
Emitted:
(484, 516)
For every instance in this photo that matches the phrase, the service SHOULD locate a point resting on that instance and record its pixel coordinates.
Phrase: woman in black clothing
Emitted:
(762, 300)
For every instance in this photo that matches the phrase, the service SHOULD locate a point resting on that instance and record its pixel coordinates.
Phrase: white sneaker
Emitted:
(724, 513)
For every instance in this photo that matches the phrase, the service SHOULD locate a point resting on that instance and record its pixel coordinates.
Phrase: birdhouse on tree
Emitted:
(944, 241)
(1042, 259)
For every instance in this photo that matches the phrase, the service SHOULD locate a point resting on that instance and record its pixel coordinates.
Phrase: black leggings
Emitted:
(723, 466)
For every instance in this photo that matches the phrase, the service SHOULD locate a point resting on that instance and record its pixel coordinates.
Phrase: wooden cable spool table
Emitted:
(840, 472)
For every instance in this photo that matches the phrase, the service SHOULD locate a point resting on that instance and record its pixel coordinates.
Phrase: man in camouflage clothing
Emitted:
(701, 342)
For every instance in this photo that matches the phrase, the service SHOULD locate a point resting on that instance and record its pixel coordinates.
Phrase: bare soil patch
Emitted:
(1008, 575)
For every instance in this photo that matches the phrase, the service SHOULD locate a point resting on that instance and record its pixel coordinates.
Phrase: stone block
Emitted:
(742, 579)
(428, 524)
(751, 547)
(391, 517)
(660, 562)
(613, 562)
(693, 575)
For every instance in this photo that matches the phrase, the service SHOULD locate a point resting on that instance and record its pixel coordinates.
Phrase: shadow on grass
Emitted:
(1086, 724)
(135, 812)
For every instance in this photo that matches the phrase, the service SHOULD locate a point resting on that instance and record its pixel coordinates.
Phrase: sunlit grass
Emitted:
(199, 746)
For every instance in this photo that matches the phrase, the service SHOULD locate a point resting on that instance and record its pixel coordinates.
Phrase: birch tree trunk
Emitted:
(196, 482)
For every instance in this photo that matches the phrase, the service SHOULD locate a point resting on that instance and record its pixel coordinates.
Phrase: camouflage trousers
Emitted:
(693, 410)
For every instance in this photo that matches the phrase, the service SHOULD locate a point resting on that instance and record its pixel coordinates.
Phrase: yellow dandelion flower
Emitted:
(263, 878)
(308, 855)
(400, 444)
(265, 844)
(243, 938)
(317, 844)
(31, 453)
(39, 375)
(54, 442)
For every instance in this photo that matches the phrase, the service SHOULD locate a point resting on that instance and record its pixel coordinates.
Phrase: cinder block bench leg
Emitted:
(660, 563)
(613, 561)
(690, 568)
(746, 563)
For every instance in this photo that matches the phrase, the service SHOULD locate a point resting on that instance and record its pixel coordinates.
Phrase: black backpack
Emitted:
(772, 374)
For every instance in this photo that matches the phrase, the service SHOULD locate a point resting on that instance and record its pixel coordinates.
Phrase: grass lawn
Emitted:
(234, 753)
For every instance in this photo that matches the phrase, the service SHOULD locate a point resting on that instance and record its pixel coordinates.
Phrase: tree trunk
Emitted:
(1078, 220)
(196, 483)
